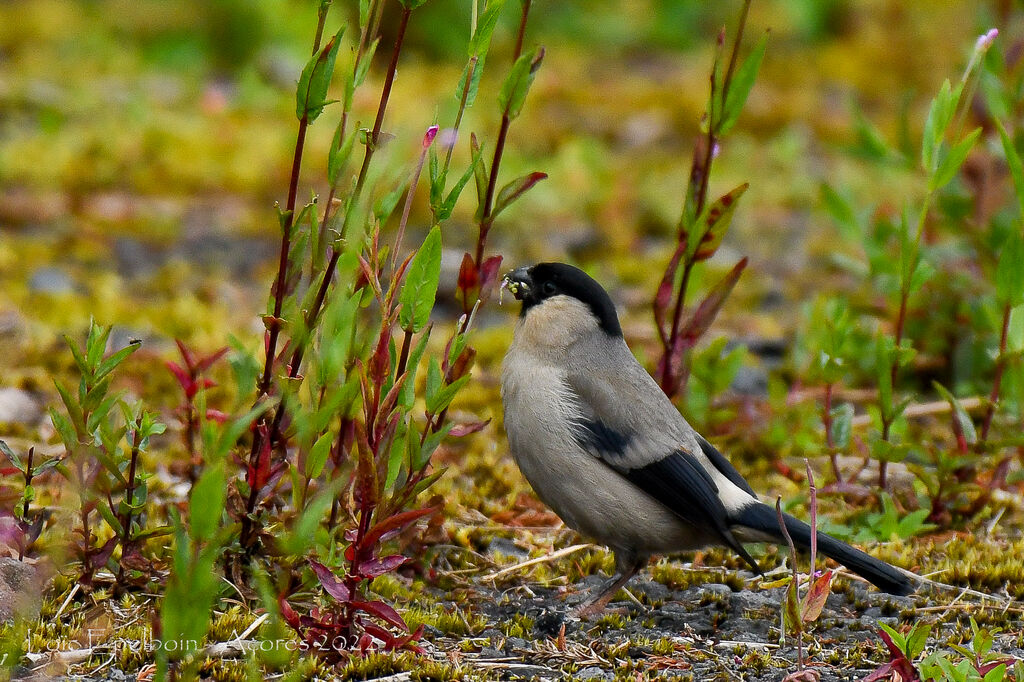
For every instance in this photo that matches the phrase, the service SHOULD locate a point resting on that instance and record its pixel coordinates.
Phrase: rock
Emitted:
(508, 548)
(748, 600)
(19, 407)
(50, 280)
(652, 589)
(593, 673)
(19, 590)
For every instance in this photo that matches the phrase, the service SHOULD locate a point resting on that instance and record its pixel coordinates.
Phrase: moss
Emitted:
(451, 621)
(519, 625)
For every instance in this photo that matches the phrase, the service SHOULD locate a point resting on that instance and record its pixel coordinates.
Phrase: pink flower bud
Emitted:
(986, 39)
(428, 137)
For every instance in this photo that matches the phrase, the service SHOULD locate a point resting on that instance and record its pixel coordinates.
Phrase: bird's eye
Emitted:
(549, 288)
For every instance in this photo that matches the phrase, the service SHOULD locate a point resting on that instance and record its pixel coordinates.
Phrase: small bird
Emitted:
(604, 447)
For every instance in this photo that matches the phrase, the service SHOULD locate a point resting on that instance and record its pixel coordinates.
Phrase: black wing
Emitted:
(724, 466)
(678, 480)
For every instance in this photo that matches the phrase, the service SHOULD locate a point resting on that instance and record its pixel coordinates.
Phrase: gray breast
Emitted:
(587, 495)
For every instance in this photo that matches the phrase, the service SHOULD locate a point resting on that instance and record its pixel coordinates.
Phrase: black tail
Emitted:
(762, 518)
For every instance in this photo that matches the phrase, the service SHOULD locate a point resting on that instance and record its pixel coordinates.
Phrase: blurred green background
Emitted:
(143, 144)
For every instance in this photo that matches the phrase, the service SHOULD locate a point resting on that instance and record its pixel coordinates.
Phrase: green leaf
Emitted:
(841, 211)
(1014, 162)
(481, 40)
(472, 72)
(421, 280)
(74, 411)
(517, 84)
(115, 359)
(339, 154)
(923, 272)
(434, 378)
(95, 344)
(9, 454)
(950, 165)
(939, 115)
(842, 425)
(302, 535)
(317, 457)
(443, 398)
(740, 86)
(408, 395)
(311, 94)
(108, 516)
(479, 172)
(898, 639)
(713, 224)
(385, 205)
(64, 429)
(1010, 271)
(444, 210)
(515, 189)
(206, 503)
(411, 4)
(963, 419)
(917, 638)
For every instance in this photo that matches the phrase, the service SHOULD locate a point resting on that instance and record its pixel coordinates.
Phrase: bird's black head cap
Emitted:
(535, 284)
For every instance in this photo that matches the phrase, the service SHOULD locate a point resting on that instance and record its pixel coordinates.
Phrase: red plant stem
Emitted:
(389, 80)
(470, 72)
(22, 546)
(993, 398)
(311, 318)
(126, 521)
(826, 418)
(245, 534)
(499, 149)
(669, 381)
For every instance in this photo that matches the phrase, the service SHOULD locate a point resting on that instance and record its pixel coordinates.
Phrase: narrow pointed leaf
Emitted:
(515, 189)
(740, 86)
(714, 223)
(950, 165)
(517, 84)
(311, 94)
(421, 281)
(701, 319)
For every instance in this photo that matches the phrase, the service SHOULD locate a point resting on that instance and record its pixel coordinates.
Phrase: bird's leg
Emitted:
(596, 602)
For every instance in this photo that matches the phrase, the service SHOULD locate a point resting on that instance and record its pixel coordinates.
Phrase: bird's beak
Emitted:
(518, 282)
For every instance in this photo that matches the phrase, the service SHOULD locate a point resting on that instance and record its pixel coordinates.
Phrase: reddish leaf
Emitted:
(706, 312)
(489, 276)
(515, 189)
(663, 298)
(462, 364)
(393, 524)
(260, 475)
(184, 380)
(469, 276)
(216, 416)
(883, 672)
(186, 354)
(207, 361)
(9, 471)
(288, 613)
(102, 555)
(815, 598)
(332, 584)
(898, 663)
(381, 610)
(716, 223)
(372, 568)
(461, 430)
